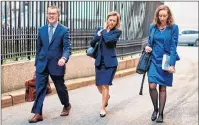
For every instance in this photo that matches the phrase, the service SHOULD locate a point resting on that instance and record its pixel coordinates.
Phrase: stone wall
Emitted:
(79, 66)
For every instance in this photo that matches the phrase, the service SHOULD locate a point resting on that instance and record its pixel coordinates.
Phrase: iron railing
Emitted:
(21, 20)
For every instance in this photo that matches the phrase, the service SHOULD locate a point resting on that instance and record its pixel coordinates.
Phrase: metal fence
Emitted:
(21, 42)
(21, 20)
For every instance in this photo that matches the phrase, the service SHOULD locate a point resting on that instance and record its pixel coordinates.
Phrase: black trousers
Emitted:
(41, 89)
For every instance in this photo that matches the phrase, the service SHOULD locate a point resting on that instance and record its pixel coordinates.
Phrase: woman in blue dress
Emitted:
(106, 60)
(163, 39)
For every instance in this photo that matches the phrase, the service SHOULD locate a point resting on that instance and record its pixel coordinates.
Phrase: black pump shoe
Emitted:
(160, 119)
(154, 115)
(102, 114)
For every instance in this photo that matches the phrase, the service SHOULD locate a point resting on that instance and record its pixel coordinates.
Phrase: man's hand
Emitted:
(61, 62)
(148, 49)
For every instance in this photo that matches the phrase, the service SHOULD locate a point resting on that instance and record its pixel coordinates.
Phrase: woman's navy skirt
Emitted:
(104, 75)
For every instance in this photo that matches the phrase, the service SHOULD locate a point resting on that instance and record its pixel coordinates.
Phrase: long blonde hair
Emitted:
(170, 20)
(114, 13)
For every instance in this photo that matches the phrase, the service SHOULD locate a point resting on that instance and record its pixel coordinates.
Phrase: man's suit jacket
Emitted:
(48, 54)
(108, 42)
(170, 41)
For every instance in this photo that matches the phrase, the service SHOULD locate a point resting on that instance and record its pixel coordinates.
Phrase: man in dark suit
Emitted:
(53, 49)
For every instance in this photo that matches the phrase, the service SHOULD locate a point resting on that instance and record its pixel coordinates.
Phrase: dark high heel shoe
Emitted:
(160, 119)
(154, 115)
(102, 114)
(108, 99)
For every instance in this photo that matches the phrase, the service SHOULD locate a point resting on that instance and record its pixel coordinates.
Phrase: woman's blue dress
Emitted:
(156, 74)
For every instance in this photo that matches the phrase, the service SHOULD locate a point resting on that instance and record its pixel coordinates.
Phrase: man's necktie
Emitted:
(50, 34)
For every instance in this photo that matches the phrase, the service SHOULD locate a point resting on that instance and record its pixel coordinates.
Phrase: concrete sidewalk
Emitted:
(18, 96)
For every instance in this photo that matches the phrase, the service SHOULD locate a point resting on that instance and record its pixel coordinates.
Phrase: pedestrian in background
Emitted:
(53, 49)
(106, 60)
(163, 39)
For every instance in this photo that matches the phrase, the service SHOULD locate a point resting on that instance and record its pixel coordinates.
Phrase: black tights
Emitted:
(154, 97)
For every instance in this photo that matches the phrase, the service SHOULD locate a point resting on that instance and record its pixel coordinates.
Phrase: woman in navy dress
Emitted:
(106, 60)
(163, 39)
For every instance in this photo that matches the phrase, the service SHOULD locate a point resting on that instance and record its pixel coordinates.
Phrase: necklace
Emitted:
(162, 29)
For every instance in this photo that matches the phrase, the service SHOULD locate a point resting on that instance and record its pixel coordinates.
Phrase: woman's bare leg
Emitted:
(105, 96)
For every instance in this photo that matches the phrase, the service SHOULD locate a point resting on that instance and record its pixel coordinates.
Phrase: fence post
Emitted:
(28, 43)
(1, 60)
(17, 42)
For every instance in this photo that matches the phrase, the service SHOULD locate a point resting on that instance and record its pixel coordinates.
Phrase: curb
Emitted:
(18, 96)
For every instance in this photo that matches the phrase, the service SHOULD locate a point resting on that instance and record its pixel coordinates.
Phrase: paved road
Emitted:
(126, 106)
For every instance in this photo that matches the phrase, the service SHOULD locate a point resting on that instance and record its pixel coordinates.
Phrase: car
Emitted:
(188, 37)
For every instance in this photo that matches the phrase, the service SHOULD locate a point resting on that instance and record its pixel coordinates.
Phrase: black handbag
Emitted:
(144, 63)
(143, 66)
(92, 51)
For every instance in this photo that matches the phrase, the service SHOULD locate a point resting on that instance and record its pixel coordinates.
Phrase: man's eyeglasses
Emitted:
(53, 14)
